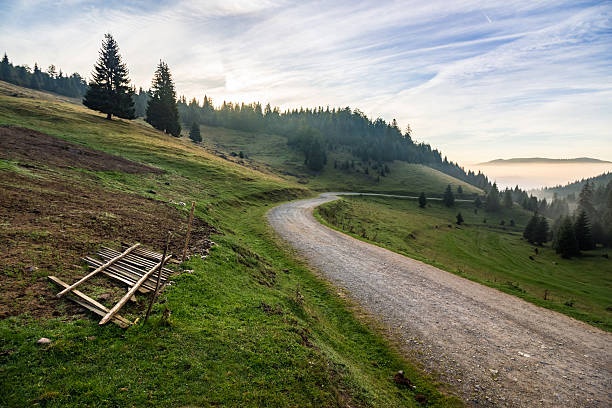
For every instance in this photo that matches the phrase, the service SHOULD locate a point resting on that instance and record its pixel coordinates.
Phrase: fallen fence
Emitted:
(141, 269)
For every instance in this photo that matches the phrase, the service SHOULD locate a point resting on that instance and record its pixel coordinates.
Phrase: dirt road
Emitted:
(497, 350)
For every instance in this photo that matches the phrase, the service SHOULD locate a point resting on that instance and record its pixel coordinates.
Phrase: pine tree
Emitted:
(448, 199)
(585, 199)
(315, 158)
(459, 190)
(582, 230)
(492, 200)
(459, 218)
(607, 216)
(530, 229)
(422, 200)
(162, 111)
(540, 235)
(477, 202)
(5, 69)
(508, 198)
(565, 241)
(109, 91)
(194, 133)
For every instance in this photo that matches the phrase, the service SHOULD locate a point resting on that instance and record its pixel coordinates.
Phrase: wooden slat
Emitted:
(126, 276)
(131, 292)
(130, 274)
(127, 281)
(132, 259)
(90, 304)
(156, 256)
(101, 268)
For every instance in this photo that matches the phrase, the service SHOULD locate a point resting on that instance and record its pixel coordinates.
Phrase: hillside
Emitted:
(270, 152)
(573, 188)
(542, 160)
(250, 325)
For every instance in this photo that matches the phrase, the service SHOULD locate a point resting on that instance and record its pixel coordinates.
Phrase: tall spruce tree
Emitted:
(492, 200)
(540, 235)
(565, 240)
(582, 230)
(448, 198)
(5, 69)
(109, 91)
(585, 199)
(162, 112)
(508, 198)
(530, 229)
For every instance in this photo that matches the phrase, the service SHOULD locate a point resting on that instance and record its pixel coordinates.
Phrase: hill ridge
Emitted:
(542, 160)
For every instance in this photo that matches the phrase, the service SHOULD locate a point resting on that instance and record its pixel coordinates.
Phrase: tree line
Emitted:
(110, 92)
(590, 224)
(51, 80)
(323, 129)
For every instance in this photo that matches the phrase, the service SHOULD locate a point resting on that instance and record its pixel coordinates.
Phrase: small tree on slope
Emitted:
(422, 200)
(194, 133)
(448, 199)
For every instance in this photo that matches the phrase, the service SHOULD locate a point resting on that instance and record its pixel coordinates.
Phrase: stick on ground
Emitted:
(188, 231)
(154, 296)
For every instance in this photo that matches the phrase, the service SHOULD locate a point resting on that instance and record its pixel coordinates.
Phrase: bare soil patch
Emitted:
(30, 146)
(48, 223)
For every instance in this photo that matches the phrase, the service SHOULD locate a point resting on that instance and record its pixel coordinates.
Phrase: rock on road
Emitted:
(495, 349)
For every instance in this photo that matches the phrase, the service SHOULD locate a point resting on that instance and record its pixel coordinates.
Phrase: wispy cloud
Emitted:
(513, 79)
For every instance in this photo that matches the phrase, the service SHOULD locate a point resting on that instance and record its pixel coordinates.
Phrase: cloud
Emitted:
(523, 78)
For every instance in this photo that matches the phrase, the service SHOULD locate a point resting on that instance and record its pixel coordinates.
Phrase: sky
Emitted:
(479, 80)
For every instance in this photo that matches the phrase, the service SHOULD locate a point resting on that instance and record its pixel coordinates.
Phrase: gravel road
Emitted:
(495, 349)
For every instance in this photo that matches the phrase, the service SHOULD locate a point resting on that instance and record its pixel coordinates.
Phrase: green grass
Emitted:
(487, 253)
(272, 152)
(242, 331)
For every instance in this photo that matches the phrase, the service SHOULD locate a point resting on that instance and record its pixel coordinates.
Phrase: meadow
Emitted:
(482, 250)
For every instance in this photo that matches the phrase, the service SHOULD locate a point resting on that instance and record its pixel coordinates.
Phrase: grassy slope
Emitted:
(221, 347)
(272, 152)
(499, 258)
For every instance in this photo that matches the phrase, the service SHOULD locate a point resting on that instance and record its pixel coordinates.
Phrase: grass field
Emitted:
(250, 326)
(272, 152)
(488, 253)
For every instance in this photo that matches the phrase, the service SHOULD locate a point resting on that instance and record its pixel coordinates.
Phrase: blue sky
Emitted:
(477, 79)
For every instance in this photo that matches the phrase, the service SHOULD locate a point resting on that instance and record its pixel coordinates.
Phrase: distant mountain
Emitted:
(541, 160)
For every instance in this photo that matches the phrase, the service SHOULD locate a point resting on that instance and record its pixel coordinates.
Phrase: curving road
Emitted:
(496, 349)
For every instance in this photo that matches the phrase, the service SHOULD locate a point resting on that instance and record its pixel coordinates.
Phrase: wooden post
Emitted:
(154, 296)
(131, 292)
(188, 232)
(101, 268)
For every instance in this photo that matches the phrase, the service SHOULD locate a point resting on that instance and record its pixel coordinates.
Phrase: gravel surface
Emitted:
(495, 349)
